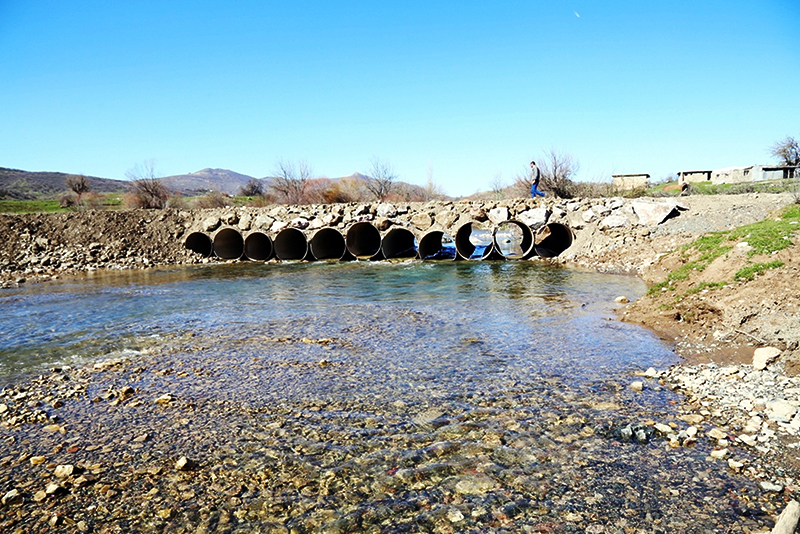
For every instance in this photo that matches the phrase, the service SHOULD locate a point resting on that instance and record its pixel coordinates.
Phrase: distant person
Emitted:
(536, 175)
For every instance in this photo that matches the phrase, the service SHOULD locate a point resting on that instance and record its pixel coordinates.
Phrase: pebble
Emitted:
(12, 498)
(63, 471)
(770, 486)
(185, 464)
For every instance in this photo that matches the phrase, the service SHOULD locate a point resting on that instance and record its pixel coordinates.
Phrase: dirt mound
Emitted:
(721, 309)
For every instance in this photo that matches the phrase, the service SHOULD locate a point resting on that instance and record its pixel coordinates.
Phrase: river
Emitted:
(360, 396)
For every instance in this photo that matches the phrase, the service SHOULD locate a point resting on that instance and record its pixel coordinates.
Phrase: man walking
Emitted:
(536, 175)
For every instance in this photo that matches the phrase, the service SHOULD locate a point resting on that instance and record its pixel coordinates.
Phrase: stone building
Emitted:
(629, 182)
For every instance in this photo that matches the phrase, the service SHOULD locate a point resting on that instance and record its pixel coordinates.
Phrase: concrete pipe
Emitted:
(474, 241)
(228, 244)
(553, 239)
(436, 245)
(399, 243)
(290, 244)
(363, 241)
(258, 247)
(199, 243)
(513, 240)
(327, 244)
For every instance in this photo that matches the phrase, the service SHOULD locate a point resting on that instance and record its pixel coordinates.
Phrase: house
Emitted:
(734, 175)
(694, 177)
(629, 182)
(752, 173)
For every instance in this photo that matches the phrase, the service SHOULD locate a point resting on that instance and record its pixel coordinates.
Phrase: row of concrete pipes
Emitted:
(511, 240)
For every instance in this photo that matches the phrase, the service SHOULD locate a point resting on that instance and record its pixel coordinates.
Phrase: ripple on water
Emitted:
(391, 397)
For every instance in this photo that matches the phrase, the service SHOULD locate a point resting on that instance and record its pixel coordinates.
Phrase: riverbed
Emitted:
(347, 397)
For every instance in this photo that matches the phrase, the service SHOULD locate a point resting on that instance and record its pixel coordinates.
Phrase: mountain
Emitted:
(201, 182)
(24, 185)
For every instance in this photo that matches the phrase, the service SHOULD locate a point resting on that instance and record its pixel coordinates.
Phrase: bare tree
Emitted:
(787, 152)
(557, 170)
(78, 184)
(381, 180)
(499, 186)
(432, 190)
(147, 191)
(290, 181)
(253, 188)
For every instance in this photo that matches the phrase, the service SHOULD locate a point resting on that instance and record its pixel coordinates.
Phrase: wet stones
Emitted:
(12, 498)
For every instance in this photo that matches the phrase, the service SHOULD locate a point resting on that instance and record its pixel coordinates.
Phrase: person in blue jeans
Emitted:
(536, 175)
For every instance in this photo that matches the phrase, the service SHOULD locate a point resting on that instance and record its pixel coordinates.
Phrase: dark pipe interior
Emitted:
(199, 243)
(258, 246)
(436, 245)
(513, 239)
(363, 240)
(327, 244)
(553, 239)
(474, 242)
(290, 244)
(228, 244)
(399, 243)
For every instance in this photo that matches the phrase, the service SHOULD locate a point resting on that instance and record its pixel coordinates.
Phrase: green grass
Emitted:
(108, 201)
(700, 287)
(750, 272)
(765, 238)
(772, 186)
(31, 206)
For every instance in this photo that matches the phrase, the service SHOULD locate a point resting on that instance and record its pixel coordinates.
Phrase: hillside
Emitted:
(16, 184)
(203, 181)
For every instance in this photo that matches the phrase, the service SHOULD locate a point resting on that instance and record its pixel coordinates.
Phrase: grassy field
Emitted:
(108, 201)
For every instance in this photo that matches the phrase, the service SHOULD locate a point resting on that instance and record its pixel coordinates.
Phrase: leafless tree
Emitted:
(432, 190)
(253, 188)
(147, 191)
(557, 170)
(499, 186)
(381, 179)
(290, 181)
(787, 152)
(78, 184)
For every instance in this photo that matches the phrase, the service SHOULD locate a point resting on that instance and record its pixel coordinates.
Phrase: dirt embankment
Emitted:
(722, 324)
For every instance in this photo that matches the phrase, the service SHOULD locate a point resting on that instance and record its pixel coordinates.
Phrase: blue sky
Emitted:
(466, 91)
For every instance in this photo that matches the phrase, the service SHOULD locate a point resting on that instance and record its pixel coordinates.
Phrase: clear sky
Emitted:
(464, 90)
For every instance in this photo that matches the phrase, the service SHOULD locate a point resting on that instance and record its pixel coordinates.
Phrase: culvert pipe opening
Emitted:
(474, 241)
(258, 247)
(436, 245)
(290, 244)
(399, 243)
(513, 239)
(199, 243)
(363, 241)
(552, 239)
(228, 244)
(327, 244)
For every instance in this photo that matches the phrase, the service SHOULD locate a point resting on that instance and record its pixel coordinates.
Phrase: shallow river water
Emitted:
(386, 397)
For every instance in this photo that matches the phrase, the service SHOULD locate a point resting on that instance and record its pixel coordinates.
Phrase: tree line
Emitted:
(293, 182)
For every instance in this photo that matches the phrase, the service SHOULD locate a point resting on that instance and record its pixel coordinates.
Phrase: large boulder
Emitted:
(498, 214)
(535, 218)
(653, 213)
(422, 221)
(386, 210)
(614, 221)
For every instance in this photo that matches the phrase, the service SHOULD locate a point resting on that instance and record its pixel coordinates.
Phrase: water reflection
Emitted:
(505, 304)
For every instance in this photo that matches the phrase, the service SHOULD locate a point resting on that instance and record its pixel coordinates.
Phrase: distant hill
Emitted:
(201, 182)
(24, 185)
